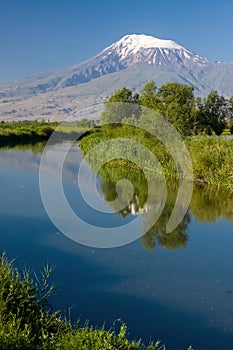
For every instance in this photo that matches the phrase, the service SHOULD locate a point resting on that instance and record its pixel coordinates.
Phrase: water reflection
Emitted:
(183, 296)
(35, 148)
(156, 234)
(208, 204)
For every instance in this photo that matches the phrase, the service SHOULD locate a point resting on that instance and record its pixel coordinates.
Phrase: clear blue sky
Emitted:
(40, 36)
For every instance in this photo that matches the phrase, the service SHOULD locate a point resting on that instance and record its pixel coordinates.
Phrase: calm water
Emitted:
(177, 288)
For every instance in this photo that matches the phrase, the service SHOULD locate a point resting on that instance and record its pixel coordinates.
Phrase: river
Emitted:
(174, 287)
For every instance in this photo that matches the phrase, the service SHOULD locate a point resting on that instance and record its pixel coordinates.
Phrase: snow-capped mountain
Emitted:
(79, 91)
(142, 48)
(131, 50)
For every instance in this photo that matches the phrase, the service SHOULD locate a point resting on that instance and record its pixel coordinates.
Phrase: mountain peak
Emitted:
(132, 61)
(135, 42)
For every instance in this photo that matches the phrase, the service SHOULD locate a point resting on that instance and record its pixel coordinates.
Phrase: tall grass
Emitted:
(212, 159)
(212, 156)
(28, 322)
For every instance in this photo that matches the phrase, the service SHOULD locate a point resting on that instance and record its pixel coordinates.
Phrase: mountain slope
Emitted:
(79, 91)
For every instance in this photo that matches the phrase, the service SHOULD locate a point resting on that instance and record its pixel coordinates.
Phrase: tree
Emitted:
(123, 95)
(149, 97)
(212, 113)
(231, 129)
(122, 104)
(178, 106)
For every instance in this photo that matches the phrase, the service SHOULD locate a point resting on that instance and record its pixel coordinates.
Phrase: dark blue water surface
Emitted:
(181, 296)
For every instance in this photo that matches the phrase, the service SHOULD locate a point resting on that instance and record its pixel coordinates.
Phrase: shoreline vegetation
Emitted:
(199, 121)
(27, 320)
(206, 125)
(211, 156)
(25, 132)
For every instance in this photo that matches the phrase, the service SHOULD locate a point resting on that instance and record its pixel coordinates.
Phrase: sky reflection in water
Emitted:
(178, 287)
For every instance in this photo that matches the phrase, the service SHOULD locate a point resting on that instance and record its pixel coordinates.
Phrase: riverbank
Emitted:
(27, 321)
(211, 156)
(32, 132)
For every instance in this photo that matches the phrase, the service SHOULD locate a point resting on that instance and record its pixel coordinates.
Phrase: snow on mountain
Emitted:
(131, 44)
(140, 48)
(131, 50)
(79, 91)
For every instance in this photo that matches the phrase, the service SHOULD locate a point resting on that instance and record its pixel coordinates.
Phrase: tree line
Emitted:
(176, 102)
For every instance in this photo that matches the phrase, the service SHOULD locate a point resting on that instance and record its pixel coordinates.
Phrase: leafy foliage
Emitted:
(177, 105)
(116, 106)
(175, 102)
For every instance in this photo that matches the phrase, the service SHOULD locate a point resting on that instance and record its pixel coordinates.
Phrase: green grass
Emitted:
(211, 155)
(212, 160)
(32, 131)
(28, 322)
